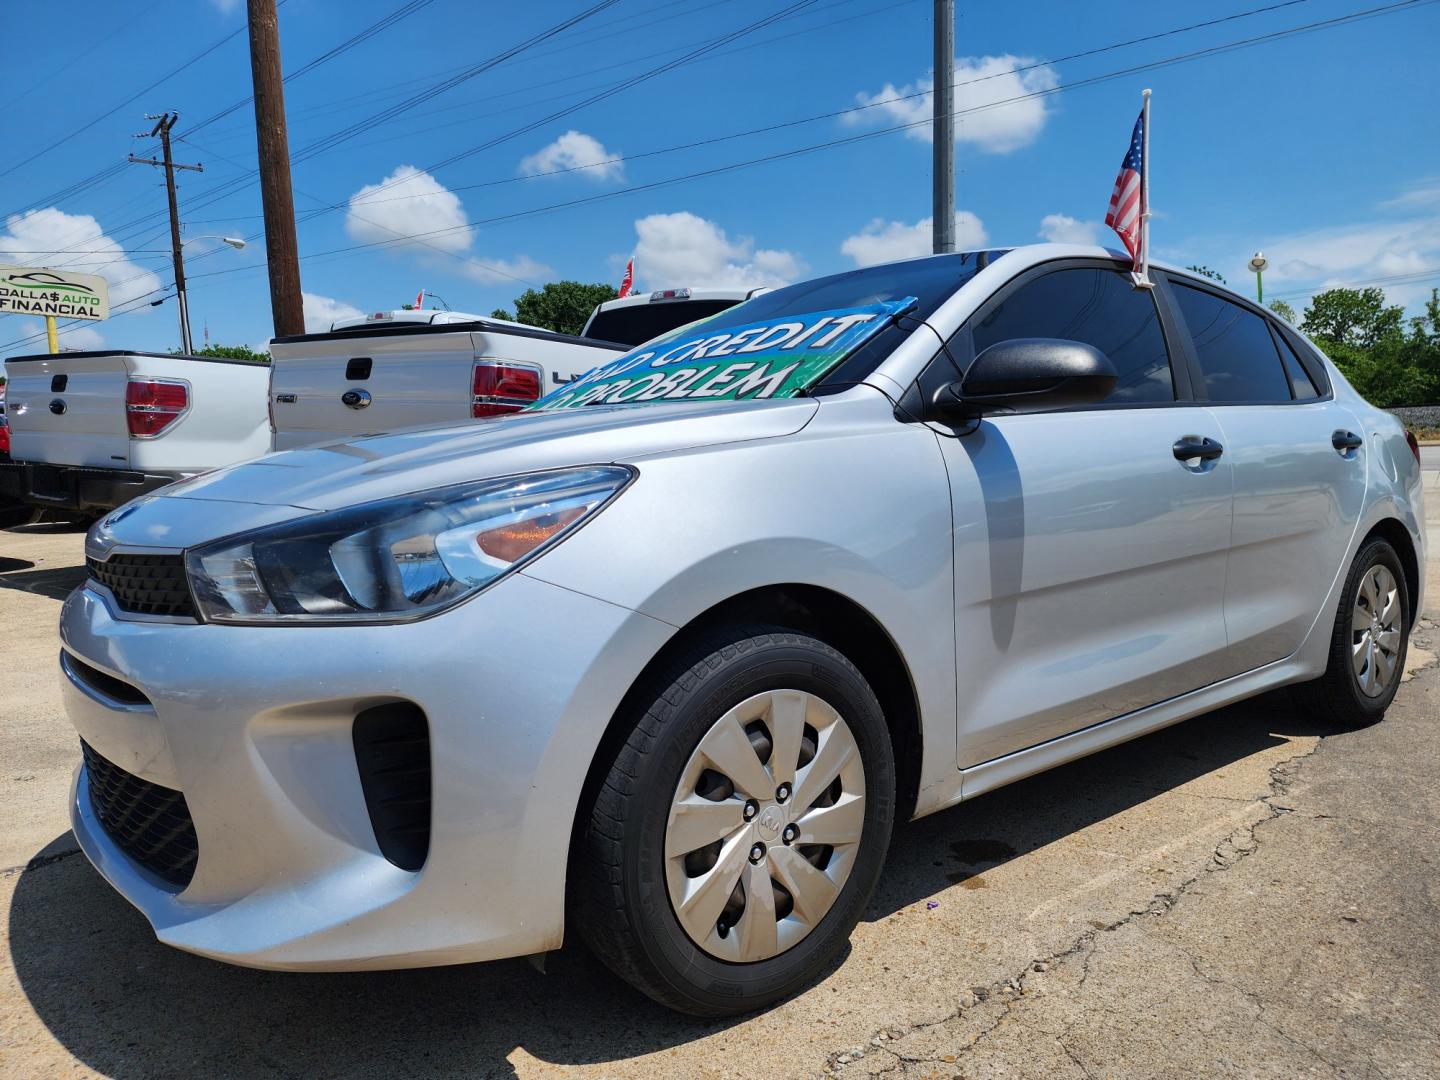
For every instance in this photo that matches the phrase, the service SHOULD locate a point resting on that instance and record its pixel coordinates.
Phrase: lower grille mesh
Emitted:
(150, 823)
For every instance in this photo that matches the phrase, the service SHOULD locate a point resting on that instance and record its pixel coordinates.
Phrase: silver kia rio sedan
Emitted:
(666, 658)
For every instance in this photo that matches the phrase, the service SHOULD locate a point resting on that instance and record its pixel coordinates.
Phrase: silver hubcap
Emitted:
(765, 825)
(1375, 631)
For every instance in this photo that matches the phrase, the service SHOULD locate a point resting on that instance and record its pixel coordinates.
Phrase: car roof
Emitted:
(652, 296)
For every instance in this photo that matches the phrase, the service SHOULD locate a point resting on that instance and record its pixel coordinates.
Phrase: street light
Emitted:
(186, 345)
(1259, 263)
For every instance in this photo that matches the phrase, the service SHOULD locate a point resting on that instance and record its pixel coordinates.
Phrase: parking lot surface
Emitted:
(1245, 894)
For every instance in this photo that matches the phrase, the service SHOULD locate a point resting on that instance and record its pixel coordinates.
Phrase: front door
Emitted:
(1090, 544)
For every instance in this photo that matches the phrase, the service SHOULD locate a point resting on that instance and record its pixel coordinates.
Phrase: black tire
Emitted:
(1336, 697)
(622, 905)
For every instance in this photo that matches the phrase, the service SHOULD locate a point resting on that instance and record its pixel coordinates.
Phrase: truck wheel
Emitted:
(1367, 643)
(739, 832)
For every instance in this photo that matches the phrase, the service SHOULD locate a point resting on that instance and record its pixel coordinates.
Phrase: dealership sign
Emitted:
(60, 295)
(776, 357)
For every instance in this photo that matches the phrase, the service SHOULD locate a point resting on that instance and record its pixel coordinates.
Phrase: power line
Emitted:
(735, 166)
(133, 97)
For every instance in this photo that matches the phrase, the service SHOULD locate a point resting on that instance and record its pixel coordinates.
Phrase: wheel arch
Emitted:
(810, 609)
(1393, 531)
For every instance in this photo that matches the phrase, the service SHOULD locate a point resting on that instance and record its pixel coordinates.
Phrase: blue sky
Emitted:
(1319, 147)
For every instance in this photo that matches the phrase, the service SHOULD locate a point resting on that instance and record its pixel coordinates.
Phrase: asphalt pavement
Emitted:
(1246, 894)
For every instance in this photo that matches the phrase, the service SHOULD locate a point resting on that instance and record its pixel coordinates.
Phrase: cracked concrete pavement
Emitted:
(1246, 894)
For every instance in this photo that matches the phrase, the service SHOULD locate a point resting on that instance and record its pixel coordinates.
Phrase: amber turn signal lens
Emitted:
(514, 541)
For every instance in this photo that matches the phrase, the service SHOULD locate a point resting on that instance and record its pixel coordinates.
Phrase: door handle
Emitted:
(1193, 446)
(1345, 441)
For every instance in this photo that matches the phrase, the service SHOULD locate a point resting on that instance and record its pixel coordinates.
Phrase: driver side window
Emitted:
(1101, 308)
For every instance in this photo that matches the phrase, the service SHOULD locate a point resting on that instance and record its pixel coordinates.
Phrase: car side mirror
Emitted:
(1025, 373)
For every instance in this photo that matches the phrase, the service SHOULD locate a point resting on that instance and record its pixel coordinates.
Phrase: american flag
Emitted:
(629, 278)
(1127, 200)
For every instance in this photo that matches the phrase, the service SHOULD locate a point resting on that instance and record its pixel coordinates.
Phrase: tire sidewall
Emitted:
(794, 662)
(1377, 552)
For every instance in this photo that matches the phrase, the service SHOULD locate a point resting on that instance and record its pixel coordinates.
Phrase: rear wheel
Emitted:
(741, 828)
(1368, 641)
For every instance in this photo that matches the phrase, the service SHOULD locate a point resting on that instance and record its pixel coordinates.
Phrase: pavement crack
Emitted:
(1008, 992)
(38, 861)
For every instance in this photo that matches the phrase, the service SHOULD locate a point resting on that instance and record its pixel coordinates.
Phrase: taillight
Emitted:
(152, 405)
(1414, 445)
(499, 387)
(4, 436)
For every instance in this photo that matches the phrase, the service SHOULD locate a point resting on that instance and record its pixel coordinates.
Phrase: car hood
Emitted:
(378, 466)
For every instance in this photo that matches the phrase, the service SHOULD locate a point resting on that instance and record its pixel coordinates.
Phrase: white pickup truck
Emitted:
(92, 430)
(634, 320)
(398, 369)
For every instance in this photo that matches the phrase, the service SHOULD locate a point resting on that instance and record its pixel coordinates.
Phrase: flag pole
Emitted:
(1145, 281)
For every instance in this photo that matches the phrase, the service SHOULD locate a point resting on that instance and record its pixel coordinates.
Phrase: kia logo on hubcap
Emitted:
(770, 821)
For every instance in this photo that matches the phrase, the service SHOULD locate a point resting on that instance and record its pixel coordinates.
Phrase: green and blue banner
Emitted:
(776, 357)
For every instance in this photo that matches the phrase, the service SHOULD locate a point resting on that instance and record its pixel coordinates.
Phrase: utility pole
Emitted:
(286, 304)
(943, 99)
(163, 123)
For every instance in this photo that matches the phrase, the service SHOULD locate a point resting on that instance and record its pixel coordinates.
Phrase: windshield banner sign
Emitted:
(774, 358)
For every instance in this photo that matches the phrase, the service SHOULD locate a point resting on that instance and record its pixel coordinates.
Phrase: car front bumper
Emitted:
(75, 487)
(253, 725)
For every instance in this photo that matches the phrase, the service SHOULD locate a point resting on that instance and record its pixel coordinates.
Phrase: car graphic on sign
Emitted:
(42, 280)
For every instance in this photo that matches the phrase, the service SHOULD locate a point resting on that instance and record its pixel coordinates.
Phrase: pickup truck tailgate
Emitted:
(364, 385)
(69, 409)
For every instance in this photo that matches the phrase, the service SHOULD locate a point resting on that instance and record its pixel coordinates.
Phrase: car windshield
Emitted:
(780, 343)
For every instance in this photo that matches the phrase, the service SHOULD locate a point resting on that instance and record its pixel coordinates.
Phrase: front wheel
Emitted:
(742, 827)
(1367, 643)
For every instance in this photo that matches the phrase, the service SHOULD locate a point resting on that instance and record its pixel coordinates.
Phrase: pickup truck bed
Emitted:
(92, 430)
(394, 372)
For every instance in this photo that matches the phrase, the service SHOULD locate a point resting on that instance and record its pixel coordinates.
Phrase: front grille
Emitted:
(150, 823)
(145, 584)
(392, 751)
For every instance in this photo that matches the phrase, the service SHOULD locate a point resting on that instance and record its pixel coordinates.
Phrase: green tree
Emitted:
(1389, 362)
(1358, 317)
(1205, 271)
(232, 352)
(563, 306)
(1284, 310)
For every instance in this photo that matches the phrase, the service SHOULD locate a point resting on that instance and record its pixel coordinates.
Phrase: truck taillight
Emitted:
(152, 405)
(500, 387)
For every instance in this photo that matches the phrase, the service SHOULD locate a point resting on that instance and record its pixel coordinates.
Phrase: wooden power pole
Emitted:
(943, 214)
(281, 252)
(163, 123)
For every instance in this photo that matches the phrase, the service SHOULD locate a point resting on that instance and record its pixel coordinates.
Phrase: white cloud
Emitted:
(321, 311)
(989, 116)
(409, 203)
(410, 210)
(62, 241)
(1064, 229)
(225, 7)
(82, 337)
(1424, 194)
(885, 241)
(522, 269)
(576, 150)
(682, 249)
(1352, 255)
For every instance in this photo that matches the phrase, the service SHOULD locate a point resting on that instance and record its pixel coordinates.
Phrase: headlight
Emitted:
(398, 559)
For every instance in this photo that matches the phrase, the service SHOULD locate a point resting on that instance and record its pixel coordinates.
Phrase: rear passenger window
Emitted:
(1099, 307)
(1234, 348)
(1300, 381)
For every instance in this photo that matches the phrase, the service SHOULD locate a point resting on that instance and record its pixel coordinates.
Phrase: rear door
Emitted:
(69, 409)
(1090, 546)
(344, 385)
(1299, 484)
